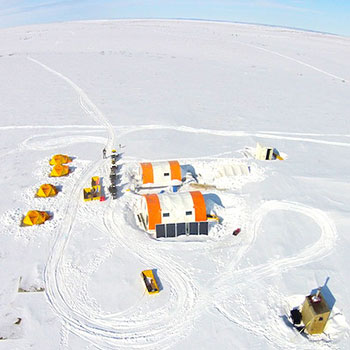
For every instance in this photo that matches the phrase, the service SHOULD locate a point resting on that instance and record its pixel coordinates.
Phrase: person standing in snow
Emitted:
(104, 153)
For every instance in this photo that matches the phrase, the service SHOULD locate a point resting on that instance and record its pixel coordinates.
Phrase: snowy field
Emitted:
(203, 93)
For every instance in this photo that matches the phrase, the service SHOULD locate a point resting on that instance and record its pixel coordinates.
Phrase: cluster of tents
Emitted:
(59, 168)
(37, 217)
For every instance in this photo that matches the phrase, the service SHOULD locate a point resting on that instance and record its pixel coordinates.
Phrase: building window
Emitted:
(166, 215)
(166, 174)
(189, 212)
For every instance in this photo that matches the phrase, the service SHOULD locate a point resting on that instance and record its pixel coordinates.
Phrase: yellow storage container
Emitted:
(92, 194)
(150, 281)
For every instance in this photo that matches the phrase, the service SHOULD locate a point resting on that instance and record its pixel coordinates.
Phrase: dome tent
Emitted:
(59, 170)
(46, 190)
(35, 217)
(59, 159)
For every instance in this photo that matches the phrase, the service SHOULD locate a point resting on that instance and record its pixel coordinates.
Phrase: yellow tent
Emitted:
(59, 159)
(46, 190)
(35, 217)
(59, 170)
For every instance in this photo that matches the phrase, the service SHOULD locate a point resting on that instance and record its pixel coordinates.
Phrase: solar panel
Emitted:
(181, 229)
(160, 230)
(203, 228)
(170, 230)
(193, 228)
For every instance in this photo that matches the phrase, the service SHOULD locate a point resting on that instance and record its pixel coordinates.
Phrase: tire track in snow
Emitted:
(320, 249)
(88, 106)
(109, 332)
(314, 252)
(275, 135)
(294, 60)
(133, 128)
(77, 322)
(129, 327)
(155, 329)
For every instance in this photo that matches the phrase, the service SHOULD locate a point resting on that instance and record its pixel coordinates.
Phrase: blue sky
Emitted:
(331, 16)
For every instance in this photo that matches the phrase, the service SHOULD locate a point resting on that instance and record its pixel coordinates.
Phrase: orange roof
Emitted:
(154, 211)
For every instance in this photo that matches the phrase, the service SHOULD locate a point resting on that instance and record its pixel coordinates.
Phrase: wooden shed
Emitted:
(315, 313)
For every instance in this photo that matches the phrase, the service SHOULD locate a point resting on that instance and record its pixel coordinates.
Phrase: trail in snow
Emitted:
(294, 60)
(126, 328)
(318, 250)
(142, 332)
(133, 128)
(87, 105)
(30, 142)
(229, 306)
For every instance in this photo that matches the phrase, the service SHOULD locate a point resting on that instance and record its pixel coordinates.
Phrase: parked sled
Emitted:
(92, 194)
(213, 217)
(266, 153)
(95, 181)
(150, 281)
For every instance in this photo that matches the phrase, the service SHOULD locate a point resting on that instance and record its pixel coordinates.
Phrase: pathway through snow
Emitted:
(126, 328)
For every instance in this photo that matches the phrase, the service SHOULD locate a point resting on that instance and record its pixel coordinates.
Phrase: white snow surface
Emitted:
(203, 93)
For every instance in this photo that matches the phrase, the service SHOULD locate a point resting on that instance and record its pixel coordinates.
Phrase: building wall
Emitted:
(160, 173)
(318, 323)
(172, 208)
(314, 322)
(175, 206)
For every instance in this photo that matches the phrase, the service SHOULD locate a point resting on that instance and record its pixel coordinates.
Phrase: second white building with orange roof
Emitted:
(166, 208)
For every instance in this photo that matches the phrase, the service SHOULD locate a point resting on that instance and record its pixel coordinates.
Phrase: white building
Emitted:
(159, 174)
(171, 208)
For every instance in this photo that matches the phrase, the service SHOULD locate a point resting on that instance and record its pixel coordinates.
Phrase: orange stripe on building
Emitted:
(175, 170)
(199, 206)
(154, 211)
(147, 173)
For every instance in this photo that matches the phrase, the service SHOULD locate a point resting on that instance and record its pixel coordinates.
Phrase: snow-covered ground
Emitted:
(203, 93)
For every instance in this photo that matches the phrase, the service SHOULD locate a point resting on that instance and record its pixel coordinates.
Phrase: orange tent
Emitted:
(59, 159)
(46, 190)
(35, 217)
(59, 170)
